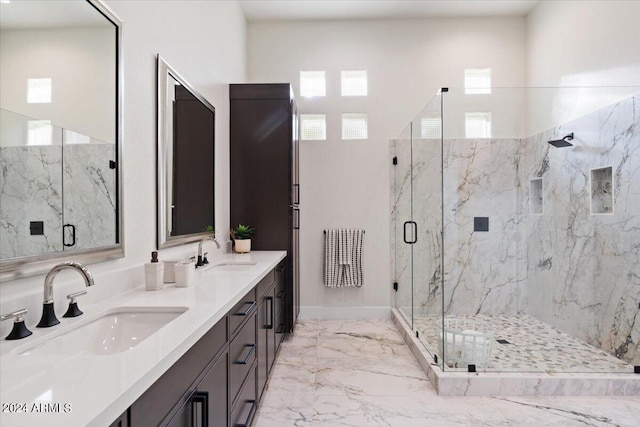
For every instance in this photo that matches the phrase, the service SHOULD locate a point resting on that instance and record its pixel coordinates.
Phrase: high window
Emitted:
(39, 132)
(313, 127)
(313, 83)
(430, 127)
(354, 83)
(477, 81)
(39, 91)
(477, 125)
(354, 126)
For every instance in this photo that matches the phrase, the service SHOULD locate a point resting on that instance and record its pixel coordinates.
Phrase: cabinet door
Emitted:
(214, 385)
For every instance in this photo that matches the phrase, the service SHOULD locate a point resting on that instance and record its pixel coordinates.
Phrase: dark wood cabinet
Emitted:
(265, 191)
(215, 383)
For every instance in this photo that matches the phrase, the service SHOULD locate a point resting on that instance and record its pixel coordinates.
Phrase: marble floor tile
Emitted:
(361, 374)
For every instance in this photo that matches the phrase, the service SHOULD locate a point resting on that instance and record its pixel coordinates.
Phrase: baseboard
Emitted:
(345, 313)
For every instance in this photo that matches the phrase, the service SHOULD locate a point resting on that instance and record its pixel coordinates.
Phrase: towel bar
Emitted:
(363, 231)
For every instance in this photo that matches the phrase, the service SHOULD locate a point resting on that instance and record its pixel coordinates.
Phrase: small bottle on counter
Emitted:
(154, 273)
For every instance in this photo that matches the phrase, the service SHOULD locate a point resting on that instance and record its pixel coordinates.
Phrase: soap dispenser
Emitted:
(154, 273)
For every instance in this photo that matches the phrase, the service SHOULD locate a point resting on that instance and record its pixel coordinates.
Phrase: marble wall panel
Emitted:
(30, 190)
(70, 185)
(583, 270)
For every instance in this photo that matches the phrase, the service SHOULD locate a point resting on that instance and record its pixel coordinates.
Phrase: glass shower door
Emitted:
(401, 253)
(426, 195)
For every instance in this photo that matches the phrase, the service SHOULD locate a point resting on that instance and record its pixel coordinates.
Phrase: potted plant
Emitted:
(241, 236)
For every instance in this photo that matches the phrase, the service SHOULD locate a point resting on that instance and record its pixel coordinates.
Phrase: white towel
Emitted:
(343, 258)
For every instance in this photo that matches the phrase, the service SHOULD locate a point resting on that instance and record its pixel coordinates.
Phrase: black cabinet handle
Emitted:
(201, 398)
(249, 416)
(281, 268)
(252, 348)
(73, 235)
(280, 294)
(280, 328)
(250, 305)
(269, 314)
(414, 232)
(296, 219)
(297, 198)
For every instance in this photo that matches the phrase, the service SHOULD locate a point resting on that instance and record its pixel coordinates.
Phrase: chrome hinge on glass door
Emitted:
(414, 232)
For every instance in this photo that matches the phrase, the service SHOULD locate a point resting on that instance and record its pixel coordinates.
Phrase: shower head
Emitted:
(564, 142)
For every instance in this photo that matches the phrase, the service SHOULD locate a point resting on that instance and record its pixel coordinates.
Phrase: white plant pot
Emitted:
(243, 246)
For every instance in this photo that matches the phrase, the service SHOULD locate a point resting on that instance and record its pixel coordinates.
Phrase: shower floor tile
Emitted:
(533, 346)
(362, 374)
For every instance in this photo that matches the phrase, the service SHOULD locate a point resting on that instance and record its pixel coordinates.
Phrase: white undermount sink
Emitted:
(231, 266)
(120, 329)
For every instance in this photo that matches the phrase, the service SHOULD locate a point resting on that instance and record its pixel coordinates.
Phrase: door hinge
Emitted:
(112, 164)
(395, 286)
(395, 160)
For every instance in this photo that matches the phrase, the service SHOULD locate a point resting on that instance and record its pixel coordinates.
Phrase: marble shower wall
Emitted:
(572, 269)
(583, 268)
(34, 180)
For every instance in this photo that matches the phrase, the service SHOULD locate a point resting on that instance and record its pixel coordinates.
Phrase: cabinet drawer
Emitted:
(155, 404)
(242, 311)
(247, 404)
(264, 284)
(242, 352)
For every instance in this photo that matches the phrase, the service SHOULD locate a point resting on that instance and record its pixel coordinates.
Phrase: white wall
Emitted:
(81, 65)
(346, 184)
(584, 43)
(581, 43)
(206, 43)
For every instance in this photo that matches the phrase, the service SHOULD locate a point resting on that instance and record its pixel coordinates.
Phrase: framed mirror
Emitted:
(186, 140)
(60, 135)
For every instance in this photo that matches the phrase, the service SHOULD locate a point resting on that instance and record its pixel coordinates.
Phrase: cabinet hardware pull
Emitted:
(297, 198)
(280, 294)
(246, 359)
(201, 398)
(248, 420)
(269, 314)
(248, 310)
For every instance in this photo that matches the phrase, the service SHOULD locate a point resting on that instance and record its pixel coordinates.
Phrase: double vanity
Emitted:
(178, 356)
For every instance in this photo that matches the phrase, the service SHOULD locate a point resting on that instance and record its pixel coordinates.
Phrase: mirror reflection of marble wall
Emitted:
(58, 128)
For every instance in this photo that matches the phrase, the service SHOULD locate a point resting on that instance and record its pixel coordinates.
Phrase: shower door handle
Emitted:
(414, 234)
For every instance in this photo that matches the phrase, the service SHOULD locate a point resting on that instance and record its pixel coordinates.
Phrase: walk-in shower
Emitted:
(509, 255)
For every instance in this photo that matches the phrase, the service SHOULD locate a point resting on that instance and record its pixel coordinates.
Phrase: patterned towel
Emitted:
(343, 258)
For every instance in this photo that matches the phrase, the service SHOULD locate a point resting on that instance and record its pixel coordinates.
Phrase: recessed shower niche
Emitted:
(536, 203)
(602, 191)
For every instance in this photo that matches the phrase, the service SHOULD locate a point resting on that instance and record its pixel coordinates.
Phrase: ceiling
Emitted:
(290, 10)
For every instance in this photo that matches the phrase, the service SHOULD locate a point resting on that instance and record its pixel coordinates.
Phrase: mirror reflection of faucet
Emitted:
(49, 318)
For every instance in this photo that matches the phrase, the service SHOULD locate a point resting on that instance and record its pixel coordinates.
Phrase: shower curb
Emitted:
(493, 384)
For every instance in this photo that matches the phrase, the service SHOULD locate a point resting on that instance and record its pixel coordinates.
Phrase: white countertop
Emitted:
(93, 390)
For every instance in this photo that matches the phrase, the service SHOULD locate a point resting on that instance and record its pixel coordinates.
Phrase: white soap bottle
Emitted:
(154, 273)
